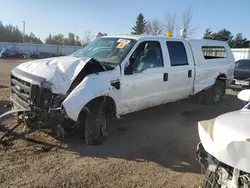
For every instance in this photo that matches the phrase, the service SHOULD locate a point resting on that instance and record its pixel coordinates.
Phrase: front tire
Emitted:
(95, 122)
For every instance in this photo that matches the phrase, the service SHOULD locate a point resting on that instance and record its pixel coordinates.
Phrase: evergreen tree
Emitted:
(240, 42)
(139, 27)
(225, 35)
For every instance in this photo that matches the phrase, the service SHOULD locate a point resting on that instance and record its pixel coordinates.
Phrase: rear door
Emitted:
(180, 70)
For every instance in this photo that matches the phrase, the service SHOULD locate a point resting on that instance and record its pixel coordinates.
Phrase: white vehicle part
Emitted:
(234, 182)
(227, 138)
(225, 182)
(207, 70)
(96, 85)
(143, 90)
(60, 71)
(12, 112)
(244, 95)
(205, 78)
(180, 83)
(223, 176)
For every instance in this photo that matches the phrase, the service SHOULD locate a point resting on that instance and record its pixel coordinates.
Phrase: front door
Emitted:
(147, 85)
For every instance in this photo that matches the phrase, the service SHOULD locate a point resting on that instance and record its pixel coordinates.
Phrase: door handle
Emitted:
(189, 73)
(165, 77)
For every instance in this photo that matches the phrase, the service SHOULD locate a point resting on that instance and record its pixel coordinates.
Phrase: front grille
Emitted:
(26, 93)
(20, 89)
(241, 77)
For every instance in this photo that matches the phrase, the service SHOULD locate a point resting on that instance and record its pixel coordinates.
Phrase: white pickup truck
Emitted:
(117, 75)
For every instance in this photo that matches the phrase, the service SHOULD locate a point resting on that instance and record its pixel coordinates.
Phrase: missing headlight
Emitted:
(57, 100)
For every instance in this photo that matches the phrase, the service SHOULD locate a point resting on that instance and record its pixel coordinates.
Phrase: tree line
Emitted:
(159, 27)
(237, 41)
(10, 33)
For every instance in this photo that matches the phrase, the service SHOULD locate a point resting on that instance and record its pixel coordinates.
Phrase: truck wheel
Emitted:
(211, 179)
(214, 94)
(95, 122)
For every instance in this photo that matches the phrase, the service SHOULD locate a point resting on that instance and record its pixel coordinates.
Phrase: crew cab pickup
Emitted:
(118, 75)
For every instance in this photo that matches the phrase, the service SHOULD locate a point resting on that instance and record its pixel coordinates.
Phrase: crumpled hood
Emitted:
(60, 71)
(227, 138)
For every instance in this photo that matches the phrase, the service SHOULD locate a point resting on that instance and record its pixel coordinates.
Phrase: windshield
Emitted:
(106, 50)
(243, 64)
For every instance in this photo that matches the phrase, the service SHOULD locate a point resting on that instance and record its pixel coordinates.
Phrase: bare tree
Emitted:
(186, 20)
(87, 37)
(154, 27)
(171, 22)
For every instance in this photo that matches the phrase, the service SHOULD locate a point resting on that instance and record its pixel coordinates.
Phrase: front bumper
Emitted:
(233, 85)
(18, 104)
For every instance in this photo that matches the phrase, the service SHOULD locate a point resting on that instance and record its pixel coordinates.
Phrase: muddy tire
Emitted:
(210, 180)
(95, 122)
(214, 94)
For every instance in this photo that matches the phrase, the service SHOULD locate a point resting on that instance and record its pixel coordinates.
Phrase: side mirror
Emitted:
(244, 95)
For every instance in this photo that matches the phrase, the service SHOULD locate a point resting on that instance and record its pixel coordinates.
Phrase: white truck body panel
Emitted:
(100, 86)
(207, 70)
(138, 90)
(227, 138)
(147, 89)
(179, 85)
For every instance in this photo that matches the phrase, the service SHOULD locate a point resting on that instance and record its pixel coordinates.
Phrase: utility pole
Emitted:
(23, 30)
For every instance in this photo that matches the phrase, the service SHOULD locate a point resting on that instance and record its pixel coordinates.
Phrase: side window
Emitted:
(214, 52)
(148, 54)
(177, 53)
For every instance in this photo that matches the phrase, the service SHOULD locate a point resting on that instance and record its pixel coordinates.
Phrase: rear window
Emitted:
(214, 52)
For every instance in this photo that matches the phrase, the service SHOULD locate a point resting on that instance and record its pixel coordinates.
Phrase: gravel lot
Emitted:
(151, 148)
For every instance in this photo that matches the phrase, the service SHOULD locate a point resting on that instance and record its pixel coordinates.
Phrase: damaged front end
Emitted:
(34, 94)
(223, 151)
(54, 90)
(219, 174)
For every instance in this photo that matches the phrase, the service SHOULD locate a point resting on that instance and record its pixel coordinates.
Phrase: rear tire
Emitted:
(95, 122)
(211, 179)
(214, 94)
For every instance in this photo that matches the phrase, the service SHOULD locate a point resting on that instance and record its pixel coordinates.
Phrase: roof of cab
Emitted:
(135, 37)
(194, 41)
